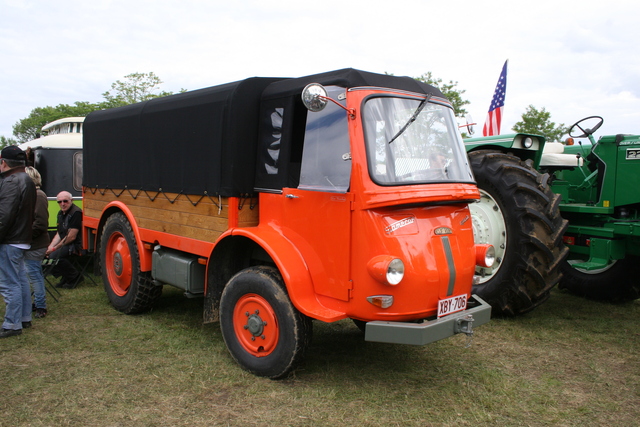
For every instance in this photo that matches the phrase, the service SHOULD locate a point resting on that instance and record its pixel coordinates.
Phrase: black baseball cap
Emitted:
(12, 152)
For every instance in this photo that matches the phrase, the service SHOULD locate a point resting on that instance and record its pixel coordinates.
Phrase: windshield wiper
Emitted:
(412, 119)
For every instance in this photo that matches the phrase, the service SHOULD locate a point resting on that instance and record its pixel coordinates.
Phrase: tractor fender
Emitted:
(294, 271)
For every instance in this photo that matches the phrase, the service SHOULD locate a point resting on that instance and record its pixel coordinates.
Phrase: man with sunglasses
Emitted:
(17, 206)
(67, 241)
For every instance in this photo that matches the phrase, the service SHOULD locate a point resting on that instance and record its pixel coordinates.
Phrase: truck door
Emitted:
(319, 209)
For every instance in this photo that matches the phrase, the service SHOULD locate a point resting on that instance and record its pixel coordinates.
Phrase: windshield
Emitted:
(410, 141)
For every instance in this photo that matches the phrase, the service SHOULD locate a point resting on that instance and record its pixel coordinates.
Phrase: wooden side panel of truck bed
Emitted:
(195, 217)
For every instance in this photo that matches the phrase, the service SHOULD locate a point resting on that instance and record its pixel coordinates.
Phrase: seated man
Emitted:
(67, 241)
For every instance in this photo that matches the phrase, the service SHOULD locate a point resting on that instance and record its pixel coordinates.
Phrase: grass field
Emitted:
(571, 362)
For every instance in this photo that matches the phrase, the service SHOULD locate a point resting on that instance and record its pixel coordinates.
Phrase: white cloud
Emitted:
(574, 58)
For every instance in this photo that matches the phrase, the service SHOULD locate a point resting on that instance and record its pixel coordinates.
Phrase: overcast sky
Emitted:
(574, 58)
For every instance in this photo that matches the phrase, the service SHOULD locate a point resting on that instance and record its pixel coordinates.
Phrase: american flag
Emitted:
(494, 117)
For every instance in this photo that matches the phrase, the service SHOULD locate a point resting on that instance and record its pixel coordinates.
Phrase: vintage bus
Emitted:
(57, 155)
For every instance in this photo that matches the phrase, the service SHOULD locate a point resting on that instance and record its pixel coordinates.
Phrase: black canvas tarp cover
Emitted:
(198, 142)
(348, 78)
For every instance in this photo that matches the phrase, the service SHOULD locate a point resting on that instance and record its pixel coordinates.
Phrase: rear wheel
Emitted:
(519, 215)
(262, 329)
(617, 282)
(129, 290)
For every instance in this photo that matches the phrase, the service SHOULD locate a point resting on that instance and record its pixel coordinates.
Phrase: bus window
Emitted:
(77, 171)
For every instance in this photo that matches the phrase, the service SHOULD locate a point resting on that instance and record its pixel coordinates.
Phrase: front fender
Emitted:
(294, 271)
(509, 143)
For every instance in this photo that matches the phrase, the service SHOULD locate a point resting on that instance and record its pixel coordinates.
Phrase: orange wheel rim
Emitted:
(255, 325)
(118, 264)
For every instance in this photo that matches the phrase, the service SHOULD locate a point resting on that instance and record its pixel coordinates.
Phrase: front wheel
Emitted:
(129, 289)
(520, 216)
(617, 282)
(262, 329)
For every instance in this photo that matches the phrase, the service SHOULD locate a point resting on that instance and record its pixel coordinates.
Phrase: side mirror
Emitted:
(314, 97)
(470, 124)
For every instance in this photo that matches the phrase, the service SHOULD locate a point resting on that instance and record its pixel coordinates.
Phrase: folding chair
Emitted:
(47, 266)
(81, 262)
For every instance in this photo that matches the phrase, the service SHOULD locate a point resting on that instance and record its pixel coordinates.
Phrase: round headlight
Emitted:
(490, 257)
(386, 269)
(395, 271)
(527, 142)
(485, 255)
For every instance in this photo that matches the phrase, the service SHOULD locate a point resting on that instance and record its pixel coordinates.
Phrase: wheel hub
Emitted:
(117, 263)
(255, 325)
(489, 227)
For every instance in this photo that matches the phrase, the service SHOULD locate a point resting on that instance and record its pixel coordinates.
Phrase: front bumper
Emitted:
(477, 313)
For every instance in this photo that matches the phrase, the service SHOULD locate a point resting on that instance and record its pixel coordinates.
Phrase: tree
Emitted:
(450, 90)
(137, 87)
(539, 122)
(5, 142)
(29, 128)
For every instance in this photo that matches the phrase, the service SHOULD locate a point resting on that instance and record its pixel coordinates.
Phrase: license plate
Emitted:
(451, 305)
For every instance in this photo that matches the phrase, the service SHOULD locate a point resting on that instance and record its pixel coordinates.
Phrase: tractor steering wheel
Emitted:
(586, 131)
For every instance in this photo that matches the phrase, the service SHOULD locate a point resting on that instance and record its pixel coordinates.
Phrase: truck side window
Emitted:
(326, 159)
(273, 140)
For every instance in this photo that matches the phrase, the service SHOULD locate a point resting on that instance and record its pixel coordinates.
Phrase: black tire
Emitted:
(129, 290)
(528, 239)
(262, 329)
(618, 282)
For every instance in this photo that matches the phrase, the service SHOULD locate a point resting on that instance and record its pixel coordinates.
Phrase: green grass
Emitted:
(571, 362)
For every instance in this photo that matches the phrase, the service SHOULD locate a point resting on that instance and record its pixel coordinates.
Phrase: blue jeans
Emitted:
(36, 279)
(14, 287)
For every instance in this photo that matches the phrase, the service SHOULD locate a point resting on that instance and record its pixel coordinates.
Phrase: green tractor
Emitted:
(554, 211)
(601, 201)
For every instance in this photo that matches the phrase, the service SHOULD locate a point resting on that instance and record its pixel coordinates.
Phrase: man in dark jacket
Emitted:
(17, 206)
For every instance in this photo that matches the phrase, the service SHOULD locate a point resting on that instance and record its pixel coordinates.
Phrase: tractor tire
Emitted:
(618, 282)
(519, 215)
(129, 290)
(262, 329)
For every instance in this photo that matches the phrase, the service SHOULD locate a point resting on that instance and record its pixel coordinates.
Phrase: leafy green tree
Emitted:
(450, 90)
(137, 87)
(4, 142)
(29, 128)
(539, 122)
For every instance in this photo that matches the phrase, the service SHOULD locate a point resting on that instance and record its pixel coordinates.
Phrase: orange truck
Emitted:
(285, 200)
